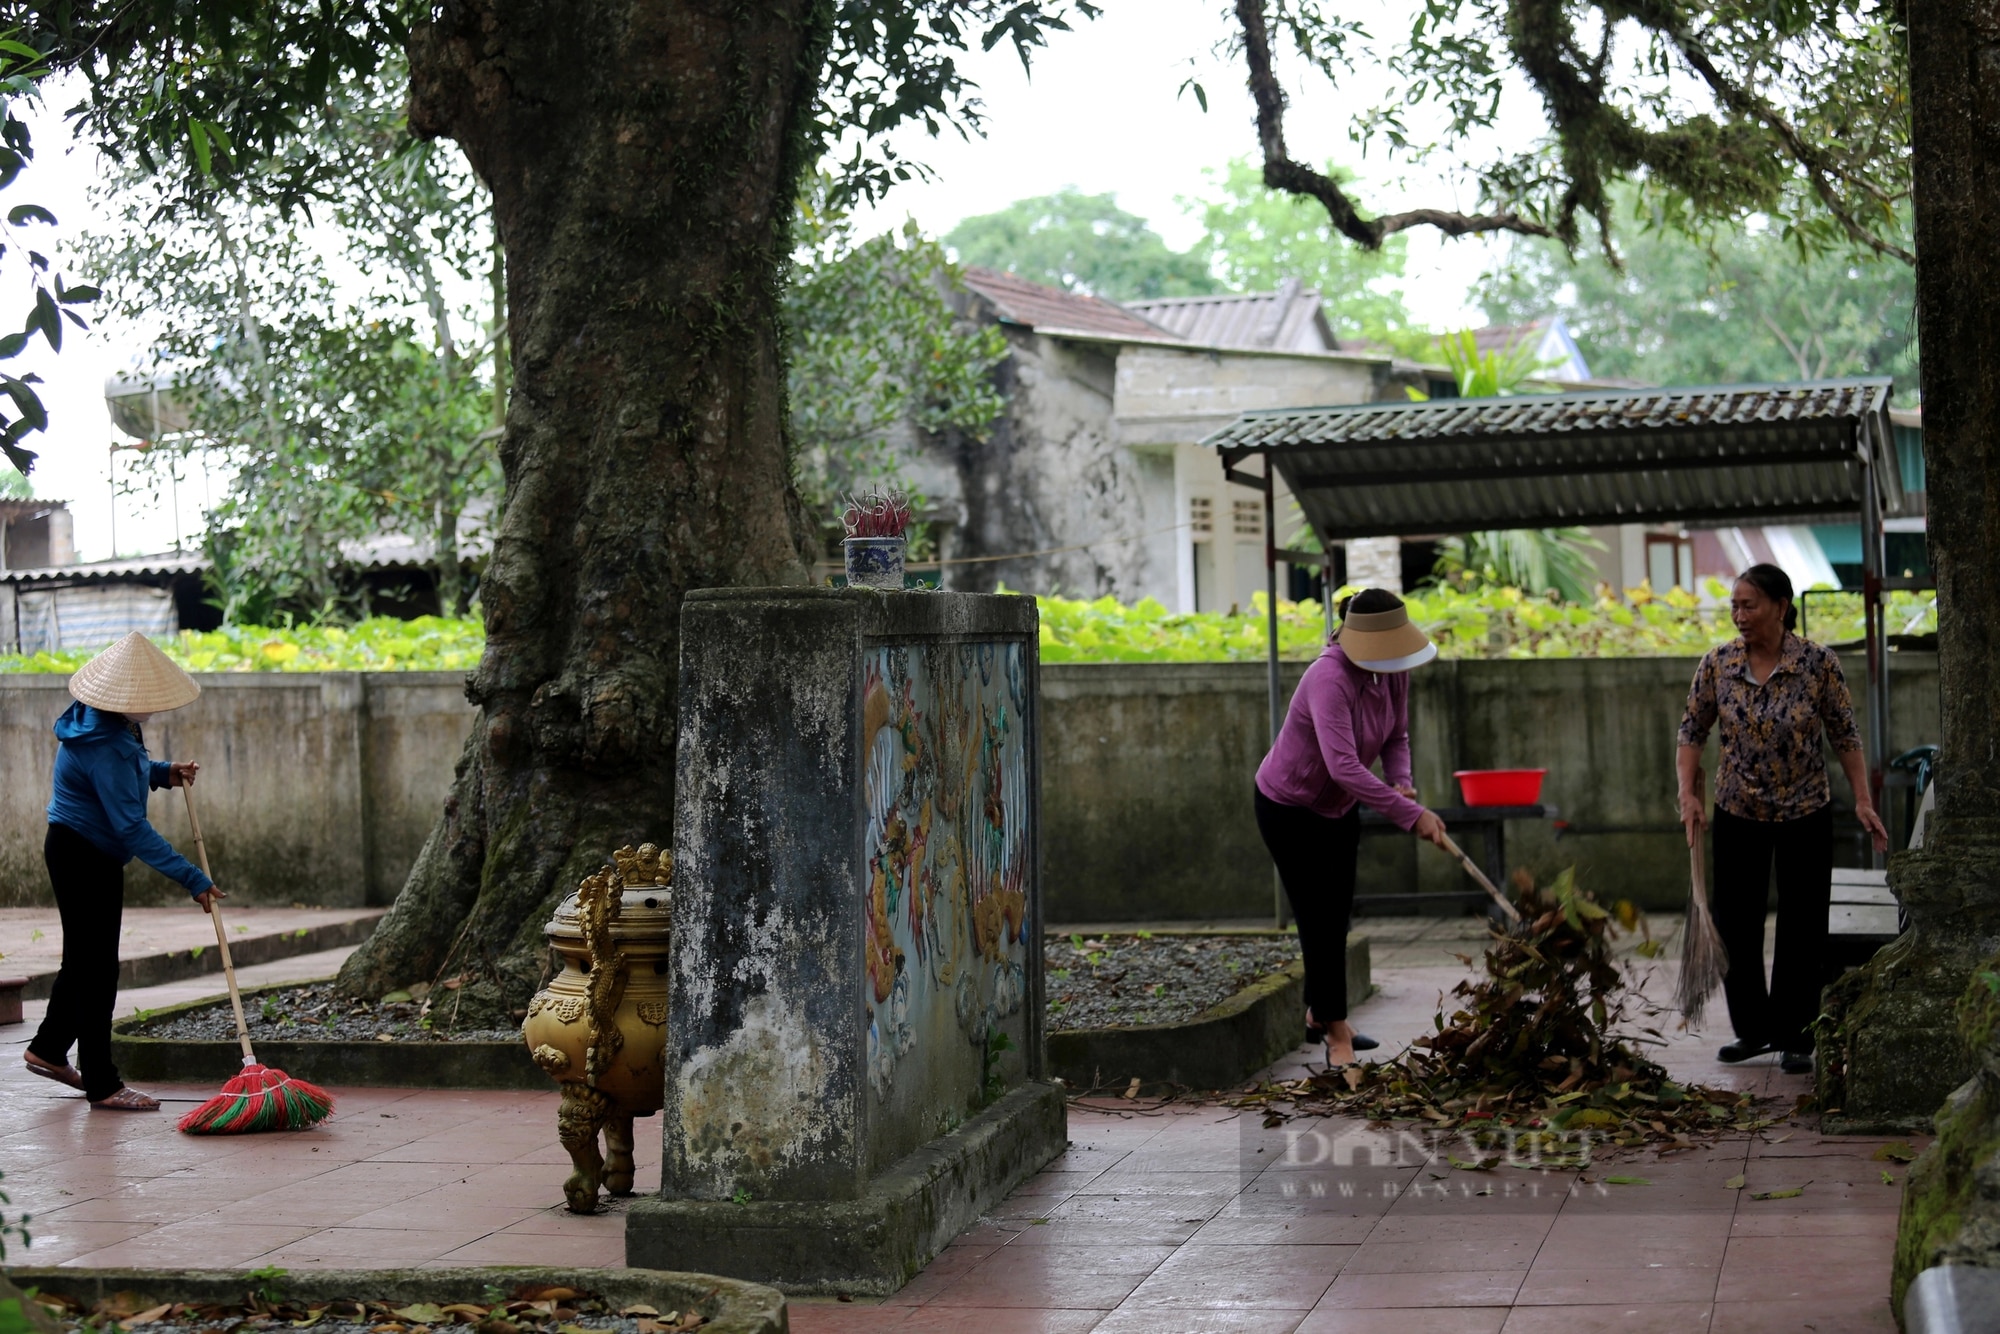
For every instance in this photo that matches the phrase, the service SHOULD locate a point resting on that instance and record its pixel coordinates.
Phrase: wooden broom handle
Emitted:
(221, 939)
(1513, 914)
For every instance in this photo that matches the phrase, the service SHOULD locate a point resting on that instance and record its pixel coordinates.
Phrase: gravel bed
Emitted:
(1108, 981)
(315, 1012)
(1101, 981)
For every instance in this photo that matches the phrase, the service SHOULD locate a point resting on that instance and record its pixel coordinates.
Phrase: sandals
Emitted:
(62, 1074)
(128, 1100)
(1316, 1033)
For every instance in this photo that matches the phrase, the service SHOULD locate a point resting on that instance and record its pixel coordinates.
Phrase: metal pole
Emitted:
(1872, 630)
(1271, 645)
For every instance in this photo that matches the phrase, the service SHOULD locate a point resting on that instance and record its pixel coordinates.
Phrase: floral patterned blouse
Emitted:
(1772, 767)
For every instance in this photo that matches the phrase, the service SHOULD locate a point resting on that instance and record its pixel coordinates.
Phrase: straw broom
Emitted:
(260, 1098)
(1703, 959)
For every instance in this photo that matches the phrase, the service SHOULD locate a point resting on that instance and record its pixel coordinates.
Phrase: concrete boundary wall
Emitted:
(320, 788)
(1148, 770)
(316, 788)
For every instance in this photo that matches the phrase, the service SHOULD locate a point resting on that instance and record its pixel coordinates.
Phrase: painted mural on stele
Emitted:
(945, 750)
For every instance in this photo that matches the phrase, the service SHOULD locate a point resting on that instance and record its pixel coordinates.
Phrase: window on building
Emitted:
(1249, 516)
(1669, 562)
(1201, 517)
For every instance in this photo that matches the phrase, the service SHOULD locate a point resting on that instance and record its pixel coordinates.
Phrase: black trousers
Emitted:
(1744, 853)
(90, 896)
(1316, 859)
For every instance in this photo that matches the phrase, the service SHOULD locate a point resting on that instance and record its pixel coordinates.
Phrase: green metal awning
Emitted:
(1768, 453)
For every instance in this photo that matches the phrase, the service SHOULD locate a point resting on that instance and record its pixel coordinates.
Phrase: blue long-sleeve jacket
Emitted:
(102, 776)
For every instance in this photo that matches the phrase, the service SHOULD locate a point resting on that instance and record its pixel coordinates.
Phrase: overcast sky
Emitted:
(1102, 111)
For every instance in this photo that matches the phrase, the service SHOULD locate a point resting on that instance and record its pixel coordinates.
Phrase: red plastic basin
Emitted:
(1501, 787)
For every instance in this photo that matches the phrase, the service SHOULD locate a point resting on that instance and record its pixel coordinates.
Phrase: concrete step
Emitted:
(161, 945)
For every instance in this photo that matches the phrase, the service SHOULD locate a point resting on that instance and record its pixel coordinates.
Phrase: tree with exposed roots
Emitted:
(643, 159)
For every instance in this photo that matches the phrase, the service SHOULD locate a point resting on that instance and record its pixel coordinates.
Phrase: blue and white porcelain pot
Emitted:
(875, 562)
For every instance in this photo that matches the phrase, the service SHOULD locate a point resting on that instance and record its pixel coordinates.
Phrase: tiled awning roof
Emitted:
(1598, 456)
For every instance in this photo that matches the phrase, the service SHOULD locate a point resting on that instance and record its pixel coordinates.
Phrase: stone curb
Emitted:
(1217, 1048)
(442, 1065)
(880, 1240)
(151, 970)
(732, 1307)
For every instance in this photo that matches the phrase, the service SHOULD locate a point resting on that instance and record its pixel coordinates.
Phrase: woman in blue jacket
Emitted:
(97, 823)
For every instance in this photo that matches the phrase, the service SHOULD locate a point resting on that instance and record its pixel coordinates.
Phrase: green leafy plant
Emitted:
(380, 644)
(17, 1227)
(742, 1195)
(1550, 561)
(270, 1281)
(992, 1082)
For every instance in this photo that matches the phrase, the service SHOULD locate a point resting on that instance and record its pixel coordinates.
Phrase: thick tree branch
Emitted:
(1667, 18)
(1281, 172)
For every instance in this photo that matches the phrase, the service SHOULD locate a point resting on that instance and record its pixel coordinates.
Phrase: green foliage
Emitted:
(1487, 374)
(1478, 623)
(270, 1280)
(1546, 560)
(1734, 305)
(16, 486)
(1080, 243)
(17, 1227)
(50, 300)
(1258, 237)
(381, 644)
(341, 420)
(1484, 622)
(193, 92)
(878, 357)
(1798, 112)
(992, 1082)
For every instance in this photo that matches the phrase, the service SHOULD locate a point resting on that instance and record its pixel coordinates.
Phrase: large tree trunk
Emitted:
(643, 159)
(1919, 1020)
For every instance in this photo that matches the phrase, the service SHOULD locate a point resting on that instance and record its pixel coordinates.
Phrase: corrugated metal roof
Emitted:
(1598, 456)
(1021, 302)
(1289, 319)
(166, 563)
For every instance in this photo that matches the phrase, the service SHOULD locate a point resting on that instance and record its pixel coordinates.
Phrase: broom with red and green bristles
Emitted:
(260, 1098)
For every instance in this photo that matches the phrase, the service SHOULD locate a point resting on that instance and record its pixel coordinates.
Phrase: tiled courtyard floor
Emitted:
(1181, 1218)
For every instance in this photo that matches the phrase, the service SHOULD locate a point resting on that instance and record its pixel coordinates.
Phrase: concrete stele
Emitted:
(855, 1020)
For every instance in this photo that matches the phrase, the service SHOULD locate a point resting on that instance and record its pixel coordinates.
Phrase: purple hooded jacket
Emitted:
(1342, 719)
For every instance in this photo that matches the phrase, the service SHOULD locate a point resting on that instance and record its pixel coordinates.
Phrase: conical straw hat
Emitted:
(132, 676)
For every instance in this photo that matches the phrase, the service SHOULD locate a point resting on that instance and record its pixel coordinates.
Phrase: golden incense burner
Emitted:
(600, 1027)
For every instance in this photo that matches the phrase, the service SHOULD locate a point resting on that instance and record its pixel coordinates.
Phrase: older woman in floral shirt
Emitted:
(1774, 695)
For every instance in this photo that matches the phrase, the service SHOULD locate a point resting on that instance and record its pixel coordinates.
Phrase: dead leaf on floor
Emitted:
(1897, 1151)
(637, 1308)
(1734, 1183)
(1132, 1089)
(1790, 1193)
(147, 1317)
(422, 1313)
(1626, 1181)
(1351, 1076)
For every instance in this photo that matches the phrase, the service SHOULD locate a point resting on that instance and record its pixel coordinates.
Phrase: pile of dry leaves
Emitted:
(1532, 1063)
(532, 1309)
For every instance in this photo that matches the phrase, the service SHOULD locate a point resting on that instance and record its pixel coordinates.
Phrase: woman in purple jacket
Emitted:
(1351, 708)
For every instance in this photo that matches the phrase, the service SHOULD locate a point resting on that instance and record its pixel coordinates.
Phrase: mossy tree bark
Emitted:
(643, 159)
(1943, 970)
